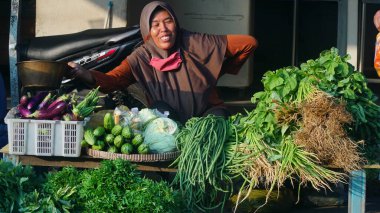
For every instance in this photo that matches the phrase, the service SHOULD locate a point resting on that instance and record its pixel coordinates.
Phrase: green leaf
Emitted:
(343, 69)
(349, 94)
(258, 96)
(275, 96)
(323, 59)
(358, 77)
(330, 72)
(284, 128)
(343, 83)
(290, 85)
(274, 81)
(274, 158)
(269, 118)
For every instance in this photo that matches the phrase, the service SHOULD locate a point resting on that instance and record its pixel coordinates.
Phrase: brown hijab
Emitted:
(188, 88)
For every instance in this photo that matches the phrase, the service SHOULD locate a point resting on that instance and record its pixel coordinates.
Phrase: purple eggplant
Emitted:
(35, 100)
(50, 113)
(45, 102)
(24, 112)
(24, 100)
(62, 98)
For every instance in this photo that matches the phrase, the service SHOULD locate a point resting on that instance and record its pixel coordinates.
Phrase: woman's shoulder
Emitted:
(199, 38)
(187, 33)
(139, 54)
(141, 50)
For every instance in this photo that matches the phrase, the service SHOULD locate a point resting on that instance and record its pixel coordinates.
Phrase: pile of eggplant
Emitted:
(45, 105)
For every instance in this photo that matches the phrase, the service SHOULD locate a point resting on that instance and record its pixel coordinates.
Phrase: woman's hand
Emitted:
(78, 72)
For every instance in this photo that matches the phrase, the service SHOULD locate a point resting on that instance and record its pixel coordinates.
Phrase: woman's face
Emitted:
(163, 30)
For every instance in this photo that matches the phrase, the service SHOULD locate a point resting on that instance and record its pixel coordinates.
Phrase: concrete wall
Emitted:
(54, 17)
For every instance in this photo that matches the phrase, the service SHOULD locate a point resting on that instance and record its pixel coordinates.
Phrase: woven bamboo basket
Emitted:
(168, 156)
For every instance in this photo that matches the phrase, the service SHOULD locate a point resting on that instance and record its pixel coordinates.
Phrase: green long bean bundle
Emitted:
(202, 164)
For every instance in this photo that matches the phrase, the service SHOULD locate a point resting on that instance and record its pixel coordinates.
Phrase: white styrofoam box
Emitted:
(43, 137)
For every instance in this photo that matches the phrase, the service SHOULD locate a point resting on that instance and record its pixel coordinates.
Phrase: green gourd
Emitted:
(108, 121)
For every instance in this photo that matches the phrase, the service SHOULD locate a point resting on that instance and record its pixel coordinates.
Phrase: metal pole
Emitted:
(13, 55)
(108, 20)
(342, 27)
(352, 31)
(362, 35)
(294, 33)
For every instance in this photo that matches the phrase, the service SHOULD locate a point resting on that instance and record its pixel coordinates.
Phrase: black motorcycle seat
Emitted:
(59, 46)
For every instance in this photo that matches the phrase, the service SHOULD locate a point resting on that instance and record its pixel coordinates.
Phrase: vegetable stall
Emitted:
(307, 121)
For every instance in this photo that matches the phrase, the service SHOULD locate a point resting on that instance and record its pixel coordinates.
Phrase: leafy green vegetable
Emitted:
(117, 186)
(59, 201)
(330, 73)
(269, 143)
(160, 134)
(201, 174)
(114, 186)
(15, 183)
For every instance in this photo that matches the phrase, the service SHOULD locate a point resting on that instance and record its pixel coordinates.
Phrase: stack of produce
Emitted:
(159, 131)
(114, 138)
(44, 106)
(306, 118)
(115, 186)
(133, 132)
(202, 165)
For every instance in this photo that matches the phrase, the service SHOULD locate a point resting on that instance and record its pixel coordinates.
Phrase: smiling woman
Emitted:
(177, 69)
(163, 29)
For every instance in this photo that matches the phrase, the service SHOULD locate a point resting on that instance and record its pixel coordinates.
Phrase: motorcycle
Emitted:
(94, 49)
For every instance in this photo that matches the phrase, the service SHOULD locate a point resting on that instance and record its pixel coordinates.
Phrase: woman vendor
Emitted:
(178, 69)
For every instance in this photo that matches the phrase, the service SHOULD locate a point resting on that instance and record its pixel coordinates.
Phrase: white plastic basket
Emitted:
(43, 137)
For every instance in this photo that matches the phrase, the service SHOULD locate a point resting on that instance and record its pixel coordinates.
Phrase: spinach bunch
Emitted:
(339, 78)
(117, 186)
(15, 184)
(330, 73)
(58, 201)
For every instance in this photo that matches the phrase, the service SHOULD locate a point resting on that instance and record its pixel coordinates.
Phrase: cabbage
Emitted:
(159, 135)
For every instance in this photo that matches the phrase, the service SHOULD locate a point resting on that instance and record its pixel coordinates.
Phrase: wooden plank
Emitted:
(89, 162)
(5, 149)
(79, 162)
(155, 168)
(372, 166)
(59, 161)
(86, 162)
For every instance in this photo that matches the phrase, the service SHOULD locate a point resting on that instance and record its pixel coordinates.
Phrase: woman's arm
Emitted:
(118, 78)
(239, 48)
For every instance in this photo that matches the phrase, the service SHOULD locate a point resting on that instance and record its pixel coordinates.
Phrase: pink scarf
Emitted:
(167, 64)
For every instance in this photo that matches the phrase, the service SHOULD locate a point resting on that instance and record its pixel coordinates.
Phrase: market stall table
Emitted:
(83, 161)
(357, 182)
